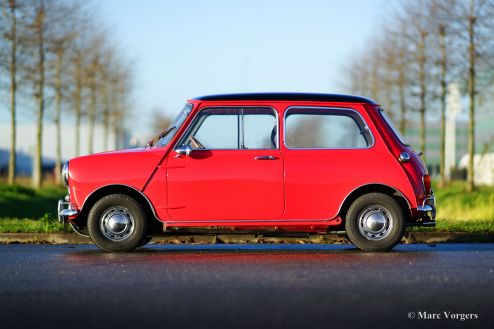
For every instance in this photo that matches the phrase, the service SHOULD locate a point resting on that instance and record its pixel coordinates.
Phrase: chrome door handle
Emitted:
(265, 157)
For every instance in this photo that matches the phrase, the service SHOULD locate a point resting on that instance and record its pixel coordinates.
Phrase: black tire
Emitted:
(145, 241)
(116, 207)
(359, 227)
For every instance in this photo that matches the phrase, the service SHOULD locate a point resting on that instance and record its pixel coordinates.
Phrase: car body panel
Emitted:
(132, 167)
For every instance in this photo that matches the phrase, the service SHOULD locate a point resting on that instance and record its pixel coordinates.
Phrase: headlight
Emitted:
(65, 173)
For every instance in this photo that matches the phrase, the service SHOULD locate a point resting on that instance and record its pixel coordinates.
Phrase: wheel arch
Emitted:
(373, 188)
(91, 199)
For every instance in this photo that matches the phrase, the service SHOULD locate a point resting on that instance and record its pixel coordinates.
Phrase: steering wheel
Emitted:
(196, 144)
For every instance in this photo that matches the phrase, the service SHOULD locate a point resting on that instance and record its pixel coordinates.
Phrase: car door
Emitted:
(234, 170)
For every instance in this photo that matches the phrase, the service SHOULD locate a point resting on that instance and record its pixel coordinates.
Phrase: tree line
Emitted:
(60, 58)
(423, 46)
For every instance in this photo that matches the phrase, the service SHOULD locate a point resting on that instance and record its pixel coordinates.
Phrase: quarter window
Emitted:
(325, 128)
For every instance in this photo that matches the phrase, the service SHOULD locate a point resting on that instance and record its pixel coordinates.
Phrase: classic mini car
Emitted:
(269, 163)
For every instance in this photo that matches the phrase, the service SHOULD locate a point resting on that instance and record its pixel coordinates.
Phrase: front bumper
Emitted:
(427, 212)
(66, 211)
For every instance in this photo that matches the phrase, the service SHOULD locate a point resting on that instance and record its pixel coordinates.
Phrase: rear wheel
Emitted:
(375, 222)
(117, 223)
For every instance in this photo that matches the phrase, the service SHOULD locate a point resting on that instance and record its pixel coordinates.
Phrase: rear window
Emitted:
(395, 130)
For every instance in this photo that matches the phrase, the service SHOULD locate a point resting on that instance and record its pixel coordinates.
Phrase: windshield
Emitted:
(393, 128)
(168, 134)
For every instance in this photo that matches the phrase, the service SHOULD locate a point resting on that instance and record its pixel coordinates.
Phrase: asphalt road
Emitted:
(246, 286)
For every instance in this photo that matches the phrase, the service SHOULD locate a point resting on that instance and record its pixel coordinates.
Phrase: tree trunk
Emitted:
(78, 131)
(78, 104)
(93, 101)
(403, 109)
(471, 94)
(442, 35)
(40, 98)
(13, 91)
(423, 91)
(92, 117)
(106, 117)
(401, 88)
(58, 113)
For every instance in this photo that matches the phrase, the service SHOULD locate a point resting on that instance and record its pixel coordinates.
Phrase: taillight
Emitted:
(426, 181)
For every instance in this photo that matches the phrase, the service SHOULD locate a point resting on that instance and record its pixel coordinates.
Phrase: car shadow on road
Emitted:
(287, 248)
(249, 255)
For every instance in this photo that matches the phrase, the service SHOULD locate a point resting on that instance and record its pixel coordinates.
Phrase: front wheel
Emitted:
(117, 223)
(375, 222)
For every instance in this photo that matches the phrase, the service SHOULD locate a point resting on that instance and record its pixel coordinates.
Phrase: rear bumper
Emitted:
(426, 213)
(66, 211)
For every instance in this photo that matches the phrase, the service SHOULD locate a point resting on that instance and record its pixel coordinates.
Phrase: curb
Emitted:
(410, 237)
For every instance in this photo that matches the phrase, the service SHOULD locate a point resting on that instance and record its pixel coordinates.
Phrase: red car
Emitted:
(269, 163)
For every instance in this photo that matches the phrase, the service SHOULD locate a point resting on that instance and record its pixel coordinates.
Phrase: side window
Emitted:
(260, 128)
(215, 129)
(233, 128)
(325, 128)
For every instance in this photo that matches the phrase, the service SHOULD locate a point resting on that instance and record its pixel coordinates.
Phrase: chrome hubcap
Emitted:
(117, 223)
(375, 222)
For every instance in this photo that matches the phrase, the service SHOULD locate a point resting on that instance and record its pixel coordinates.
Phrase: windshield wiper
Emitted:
(165, 132)
(160, 136)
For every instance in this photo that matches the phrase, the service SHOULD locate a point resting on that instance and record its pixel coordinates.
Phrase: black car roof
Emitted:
(286, 97)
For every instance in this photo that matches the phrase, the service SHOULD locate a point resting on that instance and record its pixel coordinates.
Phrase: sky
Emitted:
(182, 49)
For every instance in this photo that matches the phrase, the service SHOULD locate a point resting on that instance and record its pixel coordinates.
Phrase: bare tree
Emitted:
(121, 86)
(94, 73)
(39, 27)
(106, 85)
(78, 58)
(402, 74)
(13, 90)
(93, 83)
(444, 67)
(65, 56)
(78, 69)
(58, 46)
(472, 56)
(440, 31)
(416, 17)
(474, 27)
(11, 11)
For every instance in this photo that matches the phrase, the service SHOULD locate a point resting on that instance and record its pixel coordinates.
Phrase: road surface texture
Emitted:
(247, 286)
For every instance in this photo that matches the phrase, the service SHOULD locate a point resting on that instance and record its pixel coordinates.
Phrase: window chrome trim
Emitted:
(193, 120)
(366, 127)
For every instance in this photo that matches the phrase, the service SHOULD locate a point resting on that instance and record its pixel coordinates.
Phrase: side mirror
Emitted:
(183, 150)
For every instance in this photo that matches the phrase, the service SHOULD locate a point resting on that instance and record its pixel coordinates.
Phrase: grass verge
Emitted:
(26, 210)
(462, 211)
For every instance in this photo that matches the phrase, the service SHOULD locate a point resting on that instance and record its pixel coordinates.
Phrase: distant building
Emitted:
(26, 142)
(483, 168)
